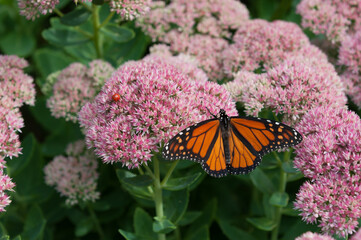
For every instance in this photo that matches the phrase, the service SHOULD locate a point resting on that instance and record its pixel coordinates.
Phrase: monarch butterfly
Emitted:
(230, 145)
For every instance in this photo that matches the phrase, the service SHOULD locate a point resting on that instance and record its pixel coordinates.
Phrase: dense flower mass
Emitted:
(75, 175)
(330, 155)
(314, 236)
(197, 28)
(350, 57)
(130, 9)
(334, 18)
(5, 185)
(291, 88)
(156, 101)
(31, 9)
(261, 44)
(72, 87)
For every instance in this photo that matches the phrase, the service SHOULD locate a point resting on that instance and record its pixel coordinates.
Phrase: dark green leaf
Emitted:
(143, 224)
(48, 61)
(140, 192)
(3, 231)
(297, 228)
(294, 177)
(98, 2)
(34, 224)
(262, 223)
(76, 17)
(176, 205)
(289, 211)
(206, 219)
(234, 233)
(117, 33)
(163, 225)
(201, 233)
(279, 199)
(4, 237)
(288, 167)
(18, 237)
(261, 181)
(189, 217)
(18, 43)
(83, 53)
(16, 165)
(175, 184)
(138, 181)
(64, 37)
(83, 227)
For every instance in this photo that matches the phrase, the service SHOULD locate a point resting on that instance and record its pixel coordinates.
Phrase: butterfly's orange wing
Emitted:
(251, 138)
(202, 143)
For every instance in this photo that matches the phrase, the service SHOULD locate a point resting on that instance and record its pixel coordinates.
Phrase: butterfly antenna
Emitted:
(211, 113)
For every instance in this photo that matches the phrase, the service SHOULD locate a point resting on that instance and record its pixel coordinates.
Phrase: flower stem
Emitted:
(170, 171)
(96, 37)
(158, 198)
(281, 189)
(96, 222)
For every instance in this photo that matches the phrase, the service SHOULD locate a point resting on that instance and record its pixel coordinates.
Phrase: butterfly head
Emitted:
(222, 113)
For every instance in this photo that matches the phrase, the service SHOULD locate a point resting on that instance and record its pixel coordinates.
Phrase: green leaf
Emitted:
(3, 231)
(16, 165)
(138, 181)
(262, 223)
(83, 227)
(294, 177)
(176, 204)
(117, 33)
(175, 184)
(288, 167)
(18, 237)
(298, 227)
(234, 233)
(76, 17)
(189, 217)
(289, 211)
(279, 199)
(4, 237)
(200, 234)
(261, 181)
(129, 235)
(207, 217)
(64, 37)
(18, 43)
(140, 192)
(34, 224)
(163, 225)
(143, 224)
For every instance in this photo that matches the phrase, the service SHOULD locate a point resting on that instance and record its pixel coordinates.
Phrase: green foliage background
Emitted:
(196, 206)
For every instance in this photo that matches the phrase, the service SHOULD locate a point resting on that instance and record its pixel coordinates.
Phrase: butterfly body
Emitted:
(230, 145)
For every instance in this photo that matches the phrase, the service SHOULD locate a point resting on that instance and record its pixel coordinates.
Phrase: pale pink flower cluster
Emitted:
(5, 185)
(197, 28)
(350, 58)
(333, 18)
(156, 101)
(75, 175)
(75, 85)
(130, 9)
(330, 155)
(16, 89)
(314, 236)
(291, 88)
(32, 9)
(262, 44)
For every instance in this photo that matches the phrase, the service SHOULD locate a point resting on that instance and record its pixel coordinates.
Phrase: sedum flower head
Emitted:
(330, 155)
(333, 18)
(156, 101)
(32, 9)
(5, 185)
(291, 88)
(75, 175)
(72, 87)
(314, 236)
(197, 28)
(262, 44)
(130, 9)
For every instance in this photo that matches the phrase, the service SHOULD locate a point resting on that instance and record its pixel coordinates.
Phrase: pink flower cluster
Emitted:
(350, 58)
(130, 9)
(16, 89)
(330, 155)
(333, 18)
(75, 175)
(156, 101)
(75, 85)
(261, 44)
(31, 9)
(314, 236)
(197, 28)
(291, 88)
